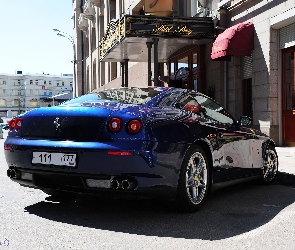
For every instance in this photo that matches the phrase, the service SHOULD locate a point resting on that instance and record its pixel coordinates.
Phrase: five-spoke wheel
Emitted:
(193, 180)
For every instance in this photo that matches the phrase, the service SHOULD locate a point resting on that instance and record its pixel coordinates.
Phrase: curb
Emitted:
(286, 179)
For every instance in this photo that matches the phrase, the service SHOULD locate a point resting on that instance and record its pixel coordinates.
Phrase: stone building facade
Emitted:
(258, 82)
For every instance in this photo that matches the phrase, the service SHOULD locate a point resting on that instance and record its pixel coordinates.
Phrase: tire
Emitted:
(270, 165)
(193, 184)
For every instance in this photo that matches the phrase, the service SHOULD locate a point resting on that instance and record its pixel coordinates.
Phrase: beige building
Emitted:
(239, 52)
(22, 92)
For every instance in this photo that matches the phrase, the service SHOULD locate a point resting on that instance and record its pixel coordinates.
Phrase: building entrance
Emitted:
(288, 96)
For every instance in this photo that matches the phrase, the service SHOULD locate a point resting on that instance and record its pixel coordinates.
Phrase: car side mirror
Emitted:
(245, 121)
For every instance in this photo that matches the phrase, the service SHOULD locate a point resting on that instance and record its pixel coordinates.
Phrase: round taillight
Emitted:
(134, 126)
(114, 125)
(12, 124)
(15, 123)
(18, 123)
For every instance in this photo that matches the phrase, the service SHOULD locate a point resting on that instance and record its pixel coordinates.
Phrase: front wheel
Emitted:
(193, 181)
(270, 165)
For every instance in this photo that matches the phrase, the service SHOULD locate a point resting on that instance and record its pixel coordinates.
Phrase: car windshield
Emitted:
(132, 95)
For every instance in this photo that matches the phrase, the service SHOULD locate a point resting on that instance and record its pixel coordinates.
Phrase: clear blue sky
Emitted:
(28, 42)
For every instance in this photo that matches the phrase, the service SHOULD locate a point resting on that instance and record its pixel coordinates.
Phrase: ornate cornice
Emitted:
(88, 10)
(83, 22)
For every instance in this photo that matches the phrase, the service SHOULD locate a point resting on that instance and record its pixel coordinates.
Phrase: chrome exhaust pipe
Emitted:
(125, 184)
(13, 173)
(9, 173)
(115, 184)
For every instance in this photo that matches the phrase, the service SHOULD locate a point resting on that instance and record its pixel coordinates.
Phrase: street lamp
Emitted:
(70, 38)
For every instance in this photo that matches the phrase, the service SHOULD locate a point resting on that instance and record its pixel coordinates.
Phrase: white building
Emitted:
(22, 92)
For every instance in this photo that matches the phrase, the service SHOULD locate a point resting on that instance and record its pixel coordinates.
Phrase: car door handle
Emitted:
(220, 135)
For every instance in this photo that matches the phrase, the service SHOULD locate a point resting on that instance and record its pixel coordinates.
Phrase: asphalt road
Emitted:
(246, 216)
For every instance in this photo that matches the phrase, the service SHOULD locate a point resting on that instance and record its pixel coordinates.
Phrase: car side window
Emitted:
(189, 103)
(206, 107)
(213, 110)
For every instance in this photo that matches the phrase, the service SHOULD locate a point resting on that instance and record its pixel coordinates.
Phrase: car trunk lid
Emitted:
(62, 123)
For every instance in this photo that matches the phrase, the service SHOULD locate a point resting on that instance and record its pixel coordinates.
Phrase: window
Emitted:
(49, 82)
(33, 103)
(36, 82)
(204, 106)
(3, 103)
(63, 84)
(15, 102)
(44, 82)
(57, 84)
(213, 110)
(31, 82)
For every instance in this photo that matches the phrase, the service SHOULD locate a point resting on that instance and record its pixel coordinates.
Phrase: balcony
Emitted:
(88, 10)
(96, 3)
(83, 22)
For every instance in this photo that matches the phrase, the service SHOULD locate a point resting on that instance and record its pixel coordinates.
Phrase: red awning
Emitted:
(234, 41)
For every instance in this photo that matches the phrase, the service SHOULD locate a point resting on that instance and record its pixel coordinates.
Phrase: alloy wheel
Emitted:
(270, 165)
(196, 178)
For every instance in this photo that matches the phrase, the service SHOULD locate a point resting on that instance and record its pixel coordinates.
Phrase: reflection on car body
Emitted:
(137, 141)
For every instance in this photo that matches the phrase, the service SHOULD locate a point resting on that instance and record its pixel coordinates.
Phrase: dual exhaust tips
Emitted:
(124, 184)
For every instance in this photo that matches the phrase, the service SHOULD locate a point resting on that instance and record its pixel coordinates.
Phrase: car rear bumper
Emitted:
(140, 173)
(89, 184)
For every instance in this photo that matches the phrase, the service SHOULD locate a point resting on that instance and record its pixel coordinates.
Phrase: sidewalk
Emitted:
(286, 173)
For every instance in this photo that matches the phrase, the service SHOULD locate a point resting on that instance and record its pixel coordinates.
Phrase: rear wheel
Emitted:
(193, 184)
(270, 165)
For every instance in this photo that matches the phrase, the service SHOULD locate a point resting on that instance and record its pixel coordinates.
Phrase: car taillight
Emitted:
(15, 123)
(134, 126)
(115, 124)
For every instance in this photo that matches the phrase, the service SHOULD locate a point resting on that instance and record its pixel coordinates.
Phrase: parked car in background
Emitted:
(157, 142)
(5, 126)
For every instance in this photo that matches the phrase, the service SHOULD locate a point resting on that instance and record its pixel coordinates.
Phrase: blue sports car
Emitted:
(142, 141)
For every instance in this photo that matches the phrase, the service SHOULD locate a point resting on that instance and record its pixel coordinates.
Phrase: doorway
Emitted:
(288, 96)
